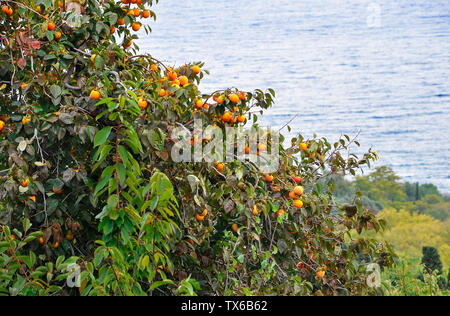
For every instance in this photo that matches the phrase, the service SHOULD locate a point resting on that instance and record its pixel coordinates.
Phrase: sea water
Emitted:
(378, 68)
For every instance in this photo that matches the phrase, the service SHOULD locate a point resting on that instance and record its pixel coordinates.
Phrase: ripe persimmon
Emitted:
(298, 190)
(220, 166)
(69, 236)
(51, 26)
(173, 75)
(142, 104)
(320, 274)
(8, 11)
(227, 117)
(280, 212)
(204, 213)
(24, 183)
(136, 27)
(199, 217)
(235, 227)
(112, 30)
(303, 146)
(184, 80)
(196, 69)
(95, 95)
(298, 203)
(234, 98)
(121, 21)
(162, 92)
(58, 35)
(199, 104)
(268, 178)
(26, 119)
(2, 125)
(146, 14)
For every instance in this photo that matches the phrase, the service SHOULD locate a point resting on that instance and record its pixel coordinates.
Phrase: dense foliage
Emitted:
(382, 189)
(406, 207)
(418, 228)
(87, 175)
(409, 278)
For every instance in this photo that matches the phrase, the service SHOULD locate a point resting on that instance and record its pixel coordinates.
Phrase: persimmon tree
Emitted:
(87, 175)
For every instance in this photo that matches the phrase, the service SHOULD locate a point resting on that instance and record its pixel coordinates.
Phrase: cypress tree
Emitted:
(431, 260)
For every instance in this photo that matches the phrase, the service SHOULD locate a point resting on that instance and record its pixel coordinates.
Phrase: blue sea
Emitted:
(381, 68)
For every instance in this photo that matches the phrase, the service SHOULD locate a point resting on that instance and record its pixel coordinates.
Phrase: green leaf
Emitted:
(145, 261)
(102, 136)
(113, 200)
(99, 62)
(55, 91)
(124, 155)
(112, 18)
(134, 141)
(101, 184)
(99, 257)
(26, 224)
(161, 283)
(104, 151)
(122, 173)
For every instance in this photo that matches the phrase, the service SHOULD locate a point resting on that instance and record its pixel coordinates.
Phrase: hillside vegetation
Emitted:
(418, 216)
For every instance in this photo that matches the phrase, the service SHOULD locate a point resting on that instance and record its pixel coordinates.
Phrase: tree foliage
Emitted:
(409, 278)
(87, 175)
(431, 260)
(410, 232)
